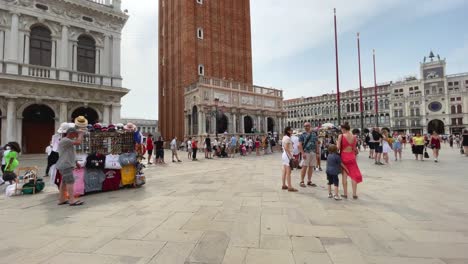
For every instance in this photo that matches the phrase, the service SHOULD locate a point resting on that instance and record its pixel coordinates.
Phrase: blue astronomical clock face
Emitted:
(435, 106)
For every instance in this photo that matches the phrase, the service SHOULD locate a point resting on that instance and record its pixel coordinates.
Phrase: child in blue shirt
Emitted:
(334, 166)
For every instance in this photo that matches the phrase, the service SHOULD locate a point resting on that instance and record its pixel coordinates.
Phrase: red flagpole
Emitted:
(337, 71)
(360, 84)
(375, 92)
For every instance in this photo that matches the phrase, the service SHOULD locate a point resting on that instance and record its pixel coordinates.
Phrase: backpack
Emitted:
(29, 187)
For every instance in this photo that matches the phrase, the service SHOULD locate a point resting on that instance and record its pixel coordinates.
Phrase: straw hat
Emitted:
(81, 122)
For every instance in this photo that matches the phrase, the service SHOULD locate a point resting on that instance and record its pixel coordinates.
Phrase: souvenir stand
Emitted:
(107, 159)
(328, 134)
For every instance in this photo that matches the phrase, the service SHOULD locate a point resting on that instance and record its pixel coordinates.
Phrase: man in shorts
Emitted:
(309, 148)
(378, 149)
(174, 150)
(371, 144)
(66, 164)
(233, 146)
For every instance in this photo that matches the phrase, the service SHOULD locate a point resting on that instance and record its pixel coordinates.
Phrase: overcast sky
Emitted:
(293, 46)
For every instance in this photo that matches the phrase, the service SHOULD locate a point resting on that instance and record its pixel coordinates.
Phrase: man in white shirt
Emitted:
(174, 149)
(189, 148)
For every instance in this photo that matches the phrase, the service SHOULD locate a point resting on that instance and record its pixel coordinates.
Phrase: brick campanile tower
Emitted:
(209, 38)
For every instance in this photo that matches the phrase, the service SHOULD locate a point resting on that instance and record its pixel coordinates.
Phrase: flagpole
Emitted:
(360, 84)
(337, 71)
(375, 93)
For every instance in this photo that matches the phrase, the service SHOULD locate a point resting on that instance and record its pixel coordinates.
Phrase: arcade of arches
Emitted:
(32, 123)
(201, 121)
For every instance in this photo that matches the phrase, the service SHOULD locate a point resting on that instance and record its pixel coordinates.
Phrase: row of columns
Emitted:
(279, 122)
(65, 55)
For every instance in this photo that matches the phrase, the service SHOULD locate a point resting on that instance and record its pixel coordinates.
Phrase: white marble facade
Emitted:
(59, 86)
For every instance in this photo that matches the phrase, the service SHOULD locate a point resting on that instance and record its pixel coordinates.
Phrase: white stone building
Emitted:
(214, 106)
(323, 109)
(436, 102)
(146, 126)
(58, 59)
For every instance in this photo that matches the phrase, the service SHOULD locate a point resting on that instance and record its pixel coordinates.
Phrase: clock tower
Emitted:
(434, 81)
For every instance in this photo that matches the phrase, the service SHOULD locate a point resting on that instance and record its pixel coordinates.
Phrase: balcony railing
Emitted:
(41, 72)
(102, 2)
(234, 86)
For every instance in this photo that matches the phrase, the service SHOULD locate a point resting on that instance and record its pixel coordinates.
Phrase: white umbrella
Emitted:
(328, 125)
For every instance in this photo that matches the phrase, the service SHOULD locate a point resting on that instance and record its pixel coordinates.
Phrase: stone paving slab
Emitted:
(233, 211)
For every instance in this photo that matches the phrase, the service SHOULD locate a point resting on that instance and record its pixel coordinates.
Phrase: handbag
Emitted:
(112, 162)
(127, 159)
(426, 155)
(293, 163)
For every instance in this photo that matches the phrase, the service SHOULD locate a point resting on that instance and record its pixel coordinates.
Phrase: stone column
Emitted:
(241, 124)
(106, 115)
(25, 37)
(265, 124)
(11, 120)
(12, 53)
(213, 124)
(63, 55)
(19, 131)
(97, 68)
(75, 61)
(117, 79)
(199, 132)
(2, 39)
(186, 125)
(117, 5)
(63, 113)
(106, 61)
(259, 124)
(116, 114)
(234, 123)
(105, 65)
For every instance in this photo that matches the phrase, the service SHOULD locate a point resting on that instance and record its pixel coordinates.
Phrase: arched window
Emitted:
(366, 106)
(453, 109)
(40, 46)
(352, 107)
(459, 109)
(348, 109)
(86, 54)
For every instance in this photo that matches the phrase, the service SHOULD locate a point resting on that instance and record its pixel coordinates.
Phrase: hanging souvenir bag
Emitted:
(128, 159)
(128, 173)
(112, 162)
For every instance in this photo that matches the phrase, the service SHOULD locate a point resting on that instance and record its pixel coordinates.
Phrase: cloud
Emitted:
(282, 33)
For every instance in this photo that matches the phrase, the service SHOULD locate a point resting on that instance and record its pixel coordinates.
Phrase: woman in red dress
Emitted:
(347, 146)
(435, 145)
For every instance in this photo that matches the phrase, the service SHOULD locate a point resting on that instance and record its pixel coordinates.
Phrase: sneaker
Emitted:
(336, 197)
(330, 195)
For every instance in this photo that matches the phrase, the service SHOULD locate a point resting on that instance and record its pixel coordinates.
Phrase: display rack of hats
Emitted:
(106, 159)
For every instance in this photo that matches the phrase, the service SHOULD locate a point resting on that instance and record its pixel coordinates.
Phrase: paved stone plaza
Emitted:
(233, 211)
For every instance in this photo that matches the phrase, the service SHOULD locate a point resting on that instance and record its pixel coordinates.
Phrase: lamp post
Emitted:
(337, 72)
(360, 84)
(375, 93)
(216, 102)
